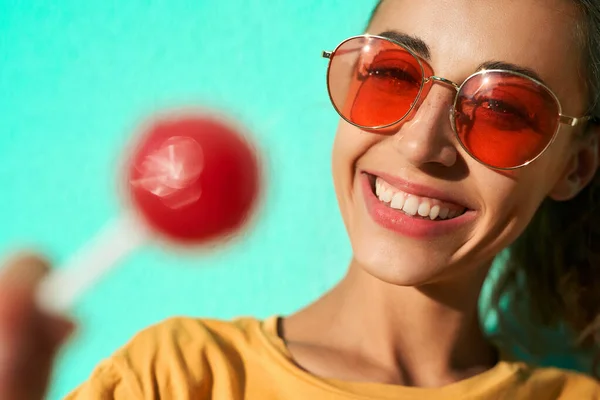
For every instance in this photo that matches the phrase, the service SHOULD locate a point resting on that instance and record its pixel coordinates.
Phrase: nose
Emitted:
(427, 137)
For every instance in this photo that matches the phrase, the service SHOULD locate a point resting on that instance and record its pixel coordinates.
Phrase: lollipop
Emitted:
(191, 180)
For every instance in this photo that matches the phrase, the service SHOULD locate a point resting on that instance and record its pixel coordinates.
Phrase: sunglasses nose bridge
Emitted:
(446, 82)
(441, 80)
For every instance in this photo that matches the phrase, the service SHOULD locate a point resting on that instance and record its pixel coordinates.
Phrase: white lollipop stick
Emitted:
(61, 289)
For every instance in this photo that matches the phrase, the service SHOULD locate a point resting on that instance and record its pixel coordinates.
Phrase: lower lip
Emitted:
(404, 224)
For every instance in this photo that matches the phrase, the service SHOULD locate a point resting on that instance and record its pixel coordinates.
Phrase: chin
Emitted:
(399, 265)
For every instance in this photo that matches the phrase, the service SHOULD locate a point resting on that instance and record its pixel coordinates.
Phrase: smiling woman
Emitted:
(506, 119)
(466, 128)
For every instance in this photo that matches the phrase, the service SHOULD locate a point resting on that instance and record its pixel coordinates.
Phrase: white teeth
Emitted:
(411, 206)
(378, 188)
(435, 211)
(424, 209)
(387, 196)
(444, 213)
(398, 201)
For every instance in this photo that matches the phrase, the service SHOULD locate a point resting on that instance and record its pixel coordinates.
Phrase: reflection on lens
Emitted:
(373, 82)
(505, 120)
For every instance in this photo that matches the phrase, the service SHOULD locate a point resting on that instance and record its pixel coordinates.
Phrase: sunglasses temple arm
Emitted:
(329, 54)
(572, 121)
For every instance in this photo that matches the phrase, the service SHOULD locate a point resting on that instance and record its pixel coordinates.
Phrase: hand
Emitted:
(29, 338)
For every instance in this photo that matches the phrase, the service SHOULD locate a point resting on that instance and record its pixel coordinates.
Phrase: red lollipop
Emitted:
(191, 179)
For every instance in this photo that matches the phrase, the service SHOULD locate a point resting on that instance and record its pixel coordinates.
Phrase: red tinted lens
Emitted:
(505, 120)
(373, 82)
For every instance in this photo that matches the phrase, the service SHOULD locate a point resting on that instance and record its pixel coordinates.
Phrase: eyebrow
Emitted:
(511, 67)
(421, 48)
(412, 42)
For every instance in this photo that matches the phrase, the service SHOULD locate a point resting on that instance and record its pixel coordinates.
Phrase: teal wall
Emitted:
(77, 78)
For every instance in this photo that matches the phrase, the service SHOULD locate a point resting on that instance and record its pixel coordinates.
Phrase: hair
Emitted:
(552, 269)
(554, 266)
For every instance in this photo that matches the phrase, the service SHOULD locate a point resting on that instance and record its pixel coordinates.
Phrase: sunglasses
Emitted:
(503, 119)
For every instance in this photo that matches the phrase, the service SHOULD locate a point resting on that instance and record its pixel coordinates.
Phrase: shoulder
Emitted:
(562, 384)
(190, 343)
(177, 355)
(195, 331)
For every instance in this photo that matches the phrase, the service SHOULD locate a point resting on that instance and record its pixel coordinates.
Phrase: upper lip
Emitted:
(416, 189)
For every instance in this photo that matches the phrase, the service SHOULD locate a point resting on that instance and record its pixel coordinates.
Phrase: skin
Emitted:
(29, 338)
(419, 297)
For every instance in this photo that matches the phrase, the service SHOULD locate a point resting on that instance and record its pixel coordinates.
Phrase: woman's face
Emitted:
(422, 156)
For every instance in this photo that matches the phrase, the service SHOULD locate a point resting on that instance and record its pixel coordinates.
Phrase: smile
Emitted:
(415, 206)
(415, 211)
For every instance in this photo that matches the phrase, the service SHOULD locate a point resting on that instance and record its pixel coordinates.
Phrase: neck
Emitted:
(427, 336)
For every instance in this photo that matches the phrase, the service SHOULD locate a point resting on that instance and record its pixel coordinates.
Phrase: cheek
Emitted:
(516, 201)
(525, 188)
(350, 144)
(512, 198)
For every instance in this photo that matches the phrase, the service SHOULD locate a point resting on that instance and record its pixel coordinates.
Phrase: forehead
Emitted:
(462, 34)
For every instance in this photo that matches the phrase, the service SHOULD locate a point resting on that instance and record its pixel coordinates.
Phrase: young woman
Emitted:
(468, 127)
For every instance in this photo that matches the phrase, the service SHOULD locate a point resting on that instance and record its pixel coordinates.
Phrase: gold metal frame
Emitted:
(562, 119)
(329, 55)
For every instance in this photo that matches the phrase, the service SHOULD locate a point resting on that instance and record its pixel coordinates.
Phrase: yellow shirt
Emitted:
(185, 358)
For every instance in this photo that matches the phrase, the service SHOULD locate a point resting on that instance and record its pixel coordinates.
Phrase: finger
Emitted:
(29, 339)
(23, 270)
(18, 280)
(57, 329)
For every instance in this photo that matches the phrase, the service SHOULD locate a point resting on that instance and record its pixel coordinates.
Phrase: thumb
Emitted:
(29, 339)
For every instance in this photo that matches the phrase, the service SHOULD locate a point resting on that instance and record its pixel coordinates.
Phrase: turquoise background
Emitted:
(78, 77)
